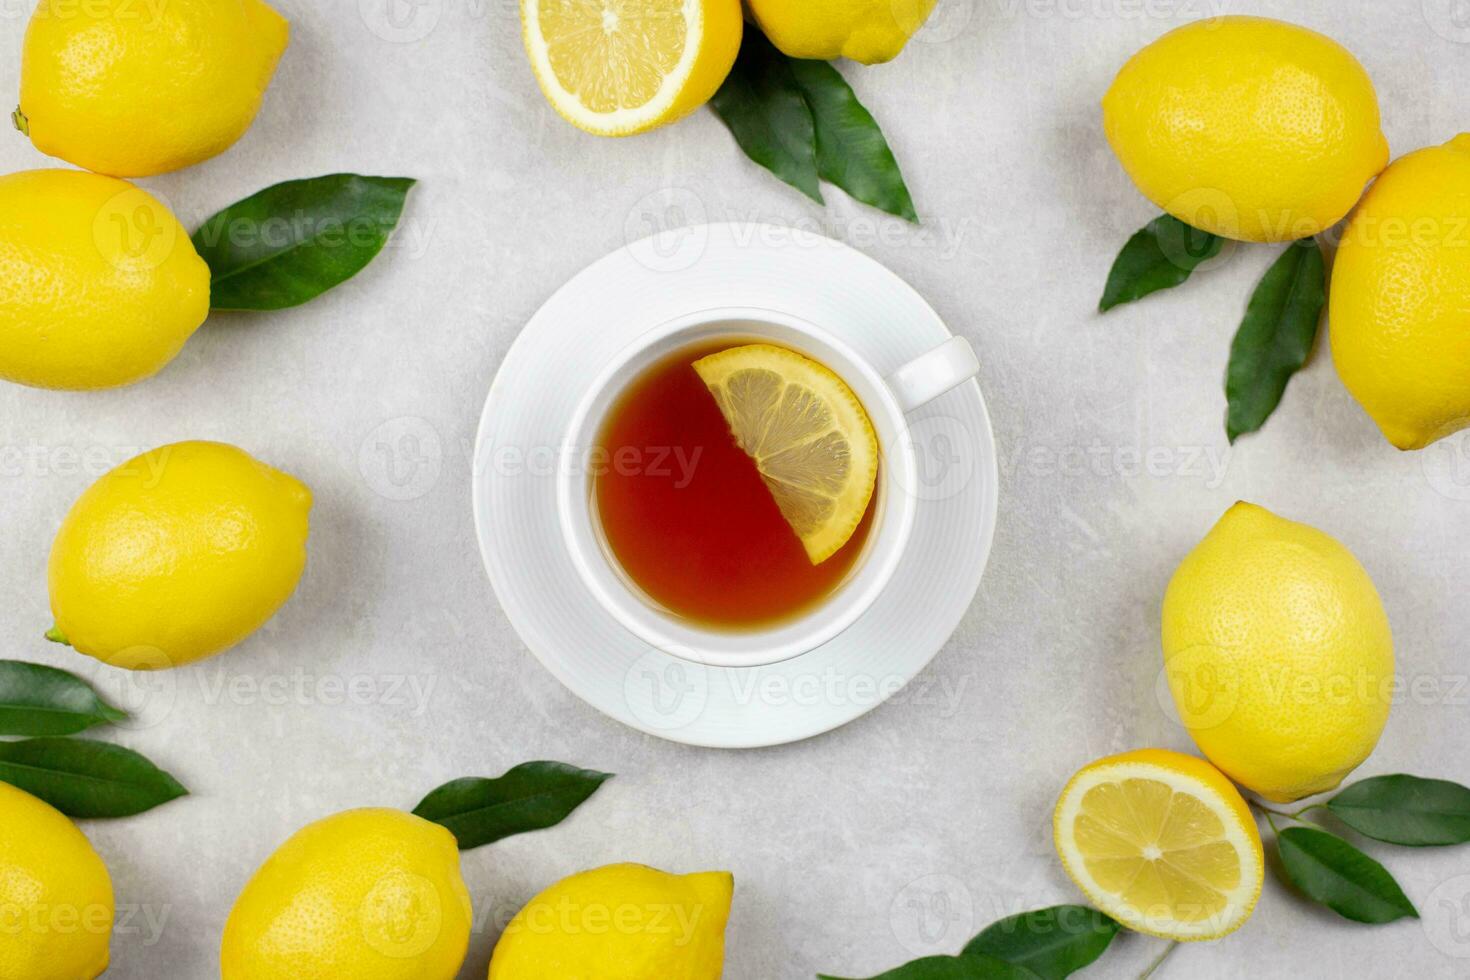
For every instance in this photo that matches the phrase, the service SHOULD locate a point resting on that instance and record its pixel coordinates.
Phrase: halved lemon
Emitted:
(807, 433)
(619, 67)
(1163, 843)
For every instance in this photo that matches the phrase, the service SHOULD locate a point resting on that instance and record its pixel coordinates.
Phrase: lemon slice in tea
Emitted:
(618, 67)
(808, 434)
(1162, 842)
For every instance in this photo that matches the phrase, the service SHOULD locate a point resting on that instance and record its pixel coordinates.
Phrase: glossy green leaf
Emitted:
(40, 700)
(1160, 255)
(851, 150)
(532, 796)
(1052, 943)
(1406, 810)
(1276, 336)
(294, 241)
(1333, 872)
(768, 115)
(979, 966)
(82, 778)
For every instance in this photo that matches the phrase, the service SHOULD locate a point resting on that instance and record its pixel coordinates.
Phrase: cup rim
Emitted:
(755, 648)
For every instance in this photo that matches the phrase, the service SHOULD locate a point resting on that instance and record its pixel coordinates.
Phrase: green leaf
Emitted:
(1406, 810)
(851, 150)
(768, 115)
(294, 241)
(532, 796)
(1160, 255)
(1275, 337)
(82, 778)
(1329, 870)
(1052, 943)
(978, 966)
(40, 700)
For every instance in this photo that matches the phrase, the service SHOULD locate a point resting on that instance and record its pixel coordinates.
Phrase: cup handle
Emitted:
(930, 375)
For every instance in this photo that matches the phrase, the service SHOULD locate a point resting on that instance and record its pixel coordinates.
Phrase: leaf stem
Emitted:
(1159, 960)
(1269, 812)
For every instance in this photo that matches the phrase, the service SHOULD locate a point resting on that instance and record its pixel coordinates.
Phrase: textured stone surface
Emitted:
(907, 831)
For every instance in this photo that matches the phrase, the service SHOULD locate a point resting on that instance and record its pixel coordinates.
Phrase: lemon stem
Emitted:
(19, 120)
(55, 635)
(1159, 960)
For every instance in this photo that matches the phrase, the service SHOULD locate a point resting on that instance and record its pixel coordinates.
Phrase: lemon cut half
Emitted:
(619, 67)
(807, 433)
(1163, 843)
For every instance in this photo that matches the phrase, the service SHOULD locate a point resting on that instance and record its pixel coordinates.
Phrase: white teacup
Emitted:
(887, 401)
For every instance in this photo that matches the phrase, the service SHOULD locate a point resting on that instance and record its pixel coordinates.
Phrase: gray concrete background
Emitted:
(907, 831)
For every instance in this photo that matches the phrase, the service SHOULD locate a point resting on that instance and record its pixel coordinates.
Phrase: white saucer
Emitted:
(561, 351)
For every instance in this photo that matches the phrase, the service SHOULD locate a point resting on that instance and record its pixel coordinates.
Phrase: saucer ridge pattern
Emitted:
(536, 391)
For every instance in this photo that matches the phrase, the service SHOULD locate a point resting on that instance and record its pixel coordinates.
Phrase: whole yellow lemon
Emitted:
(55, 894)
(99, 283)
(1278, 654)
(869, 31)
(1247, 127)
(621, 922)
(133, 88)
(1400, 300)
(177, 555)
(368, 894)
